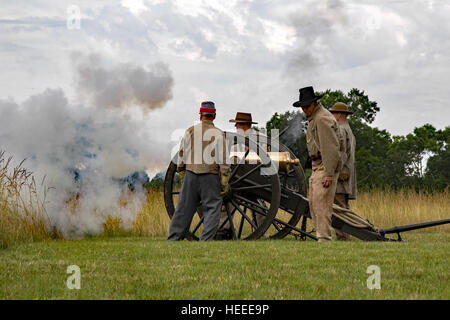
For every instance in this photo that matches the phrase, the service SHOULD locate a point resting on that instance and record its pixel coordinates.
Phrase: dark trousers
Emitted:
(196, 188)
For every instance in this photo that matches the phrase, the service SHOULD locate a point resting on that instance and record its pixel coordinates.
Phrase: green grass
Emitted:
(149, 268)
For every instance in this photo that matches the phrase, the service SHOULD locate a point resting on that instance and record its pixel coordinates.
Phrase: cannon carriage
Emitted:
(267, 180)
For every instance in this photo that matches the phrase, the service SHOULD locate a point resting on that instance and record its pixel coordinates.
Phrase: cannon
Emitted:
(268, 180)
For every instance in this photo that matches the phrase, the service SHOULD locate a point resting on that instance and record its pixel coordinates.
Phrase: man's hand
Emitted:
(327, 181)
(224, 184)
(181, 173)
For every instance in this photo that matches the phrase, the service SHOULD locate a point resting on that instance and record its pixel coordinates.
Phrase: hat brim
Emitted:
(242, 121)
(305, 103)
(339, 111)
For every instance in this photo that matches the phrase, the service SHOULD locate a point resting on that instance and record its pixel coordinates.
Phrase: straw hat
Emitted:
(340, 107)
(242, 117)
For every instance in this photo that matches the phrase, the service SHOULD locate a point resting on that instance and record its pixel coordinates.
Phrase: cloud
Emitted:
(246, 55)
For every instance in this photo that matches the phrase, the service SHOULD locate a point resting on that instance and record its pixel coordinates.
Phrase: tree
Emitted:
(409, 154)
(372, 145)
(380, 160)
(437, 172)
(357, 101)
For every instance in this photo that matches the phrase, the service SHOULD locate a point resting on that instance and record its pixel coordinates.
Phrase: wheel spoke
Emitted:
(241, 225)
(276, 226)
(243, 214)
(242, 161)
(243, 200)
(254, 218)
(246, 174)
(261, 186)
(289, 173)
(197, 226)
(230, 218)
(226, 219)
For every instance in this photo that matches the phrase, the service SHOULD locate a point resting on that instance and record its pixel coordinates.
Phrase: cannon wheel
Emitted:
(295, 180)
(249, 191)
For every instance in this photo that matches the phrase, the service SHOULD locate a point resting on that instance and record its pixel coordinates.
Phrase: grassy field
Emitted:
(140, 264)
(149, 268)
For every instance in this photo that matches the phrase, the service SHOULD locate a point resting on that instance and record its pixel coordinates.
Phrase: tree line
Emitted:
(420, 159)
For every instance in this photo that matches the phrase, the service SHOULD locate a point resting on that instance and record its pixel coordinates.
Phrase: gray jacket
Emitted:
(347, 177)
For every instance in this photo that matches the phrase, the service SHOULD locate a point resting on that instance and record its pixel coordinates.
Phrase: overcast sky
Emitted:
(245, 55)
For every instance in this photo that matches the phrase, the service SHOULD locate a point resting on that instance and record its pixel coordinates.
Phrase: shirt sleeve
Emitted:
(181, 163)
(224, 165)
(329, 145)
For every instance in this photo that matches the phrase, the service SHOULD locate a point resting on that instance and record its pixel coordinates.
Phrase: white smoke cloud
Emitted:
(315, 27)
(124, 85)
(88, 151)
(295, 127)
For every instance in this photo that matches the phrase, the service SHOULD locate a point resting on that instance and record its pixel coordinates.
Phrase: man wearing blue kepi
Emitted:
(204, 172)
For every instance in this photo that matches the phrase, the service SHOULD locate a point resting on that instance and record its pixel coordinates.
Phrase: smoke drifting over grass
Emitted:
(85, 151)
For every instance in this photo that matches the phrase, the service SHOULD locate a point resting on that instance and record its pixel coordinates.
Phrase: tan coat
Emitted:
(323, 138)
(347, 177)
(203, 150)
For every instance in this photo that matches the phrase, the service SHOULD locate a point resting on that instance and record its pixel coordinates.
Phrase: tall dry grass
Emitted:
(389, 208)
(153, 219)
(22, 211)
(383, 208)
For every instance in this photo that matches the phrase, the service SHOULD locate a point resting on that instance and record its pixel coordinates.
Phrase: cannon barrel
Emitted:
(283, 159)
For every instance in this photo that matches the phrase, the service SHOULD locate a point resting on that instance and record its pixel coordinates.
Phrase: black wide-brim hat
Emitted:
(307, 96)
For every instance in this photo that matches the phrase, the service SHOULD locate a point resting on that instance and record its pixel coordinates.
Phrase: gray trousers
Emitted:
(196, 188)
